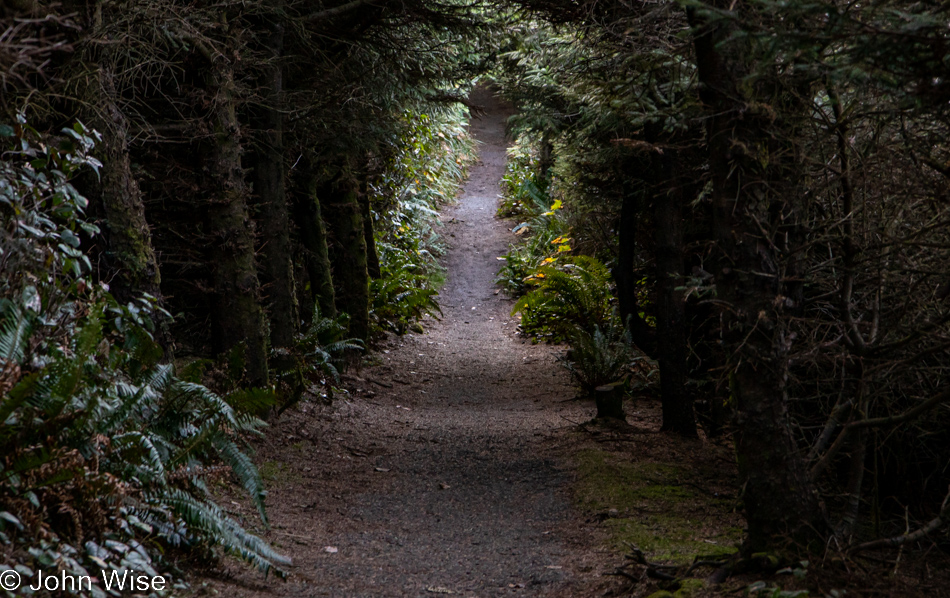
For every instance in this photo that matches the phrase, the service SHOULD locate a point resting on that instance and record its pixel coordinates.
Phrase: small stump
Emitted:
(609, 400)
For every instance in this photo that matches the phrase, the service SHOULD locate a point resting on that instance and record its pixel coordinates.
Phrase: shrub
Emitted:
(318, 356)
(428, 161)
(102, 446)
(573, 295)
(598, 357)
(522, 193)
(544, 229)
(403, 295)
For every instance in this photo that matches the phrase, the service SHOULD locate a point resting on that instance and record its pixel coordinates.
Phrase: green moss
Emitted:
(657, 511)
(689, 587)
(278, 473)
(270, 469)
(610, 485)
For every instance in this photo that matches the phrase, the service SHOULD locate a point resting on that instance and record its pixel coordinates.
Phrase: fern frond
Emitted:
(210, 522)
(16, 328)
(597, 358)
(151, 465)
(15, 398)
(138, 398)
(246, 472)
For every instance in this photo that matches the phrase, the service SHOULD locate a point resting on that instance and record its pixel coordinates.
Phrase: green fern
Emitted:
(16, 326)
(403, 295)
(323, 346)
(574, 295)
(143, 427)
(597, 358)
(206, 520)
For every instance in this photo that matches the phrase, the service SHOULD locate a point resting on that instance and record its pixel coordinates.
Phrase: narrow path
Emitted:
(441, 476)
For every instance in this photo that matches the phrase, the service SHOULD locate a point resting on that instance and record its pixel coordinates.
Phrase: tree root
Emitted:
(672, 573)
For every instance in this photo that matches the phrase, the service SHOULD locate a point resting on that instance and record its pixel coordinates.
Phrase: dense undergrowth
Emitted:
(108, 450)
(563, 295)
(429, 159)
(771, 242)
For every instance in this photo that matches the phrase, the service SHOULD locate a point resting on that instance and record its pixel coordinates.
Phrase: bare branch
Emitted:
(876, 422)
(931, 526)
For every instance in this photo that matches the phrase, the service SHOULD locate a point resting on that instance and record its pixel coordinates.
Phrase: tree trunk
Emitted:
(644, 337)
(276, 268)
(609, 401)
(130, 253)
(545, 162)
(678, 413)
(131, 259)
(305, 299)
(237, 317)
(348, 251)
(369, 236)
(313, 237)
(753, 191)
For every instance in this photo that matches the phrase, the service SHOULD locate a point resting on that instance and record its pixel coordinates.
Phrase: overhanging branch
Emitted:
(336, 11)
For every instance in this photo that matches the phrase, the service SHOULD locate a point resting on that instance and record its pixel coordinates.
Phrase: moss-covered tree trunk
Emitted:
(132, 263)
(276, 268)
(369, 236)
(341, 209)
(313, 238)
(236, 315)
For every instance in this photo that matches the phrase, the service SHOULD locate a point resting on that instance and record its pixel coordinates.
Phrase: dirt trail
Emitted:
(439, 475)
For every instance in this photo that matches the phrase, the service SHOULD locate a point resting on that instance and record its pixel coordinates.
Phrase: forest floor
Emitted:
(458, 463)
